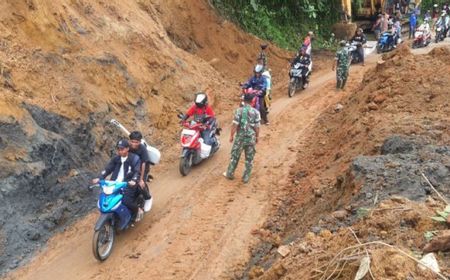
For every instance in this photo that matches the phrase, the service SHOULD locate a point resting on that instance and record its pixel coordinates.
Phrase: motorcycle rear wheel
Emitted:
(103, 241)
(186, 165)
(292, 87)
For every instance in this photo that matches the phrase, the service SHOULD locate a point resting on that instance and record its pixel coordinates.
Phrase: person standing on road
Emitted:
(245, 127)
(341, 65)
(412, 25)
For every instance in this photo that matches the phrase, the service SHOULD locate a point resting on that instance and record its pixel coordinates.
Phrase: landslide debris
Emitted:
(361, 168)
(67, 68)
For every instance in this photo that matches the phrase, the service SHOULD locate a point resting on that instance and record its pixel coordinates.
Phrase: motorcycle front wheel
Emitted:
(103, 241)
(186, 164)
(292, 87)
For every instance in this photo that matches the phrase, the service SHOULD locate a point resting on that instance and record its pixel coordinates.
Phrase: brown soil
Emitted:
(140, 61)
(401, 95)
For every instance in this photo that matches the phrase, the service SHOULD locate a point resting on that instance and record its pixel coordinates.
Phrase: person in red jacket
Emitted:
(202, 112)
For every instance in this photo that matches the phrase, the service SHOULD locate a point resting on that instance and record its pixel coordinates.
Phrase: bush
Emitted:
(284, 24)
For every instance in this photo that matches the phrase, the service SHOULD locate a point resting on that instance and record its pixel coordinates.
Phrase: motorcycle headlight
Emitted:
(108, 190)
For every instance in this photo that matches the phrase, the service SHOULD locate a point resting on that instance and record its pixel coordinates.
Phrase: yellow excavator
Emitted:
(363, 13)
(367, 9)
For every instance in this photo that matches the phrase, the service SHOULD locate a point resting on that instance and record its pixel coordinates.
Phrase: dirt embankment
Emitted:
(68, 67)
(361, 166)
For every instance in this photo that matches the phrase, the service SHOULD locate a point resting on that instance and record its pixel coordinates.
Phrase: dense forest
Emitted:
(283, 22)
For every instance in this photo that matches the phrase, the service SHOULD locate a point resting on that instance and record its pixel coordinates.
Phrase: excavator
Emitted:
(364, 12)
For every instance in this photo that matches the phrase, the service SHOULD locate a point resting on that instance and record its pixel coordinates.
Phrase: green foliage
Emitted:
(442, 215)
(285, 23)
(428, 4)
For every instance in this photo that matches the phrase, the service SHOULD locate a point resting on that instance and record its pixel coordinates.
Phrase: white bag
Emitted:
(205, 149)
(154, 154)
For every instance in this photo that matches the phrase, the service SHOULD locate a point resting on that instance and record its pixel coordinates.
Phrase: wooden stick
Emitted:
(387, 245)
(365, 249)
(440, 196)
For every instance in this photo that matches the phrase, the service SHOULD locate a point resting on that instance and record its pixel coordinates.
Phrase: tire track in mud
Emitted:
(200, 227)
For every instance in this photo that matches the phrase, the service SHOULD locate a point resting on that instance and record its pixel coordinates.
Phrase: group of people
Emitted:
(131, 164)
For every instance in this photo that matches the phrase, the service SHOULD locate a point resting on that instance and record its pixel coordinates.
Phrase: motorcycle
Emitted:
(386, 42)
(352, 48)
(114, 217)
(440, 34)
(251, 91)
(296, 80)
(422, 38)
(194, 149)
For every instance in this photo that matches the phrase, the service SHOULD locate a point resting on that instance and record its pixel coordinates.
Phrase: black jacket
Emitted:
(132, 166)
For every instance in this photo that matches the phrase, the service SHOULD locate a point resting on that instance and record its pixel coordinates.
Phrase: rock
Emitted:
(398, 199)
(372, 106)
(379, 99)
(429, 261)
(255, 272)
(73, 173)
(284, 250)
(326, 234)
(316, 230)
(439, 243)
(340, 214)
(303, 248)
(318, 193)
(339, 107)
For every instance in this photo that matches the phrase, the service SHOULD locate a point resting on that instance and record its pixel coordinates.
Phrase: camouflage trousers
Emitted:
(249, 150)
(341, 76)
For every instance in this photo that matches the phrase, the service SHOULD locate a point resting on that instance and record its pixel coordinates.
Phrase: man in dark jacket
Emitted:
(361, 39)
(140, 150)
(125, 167)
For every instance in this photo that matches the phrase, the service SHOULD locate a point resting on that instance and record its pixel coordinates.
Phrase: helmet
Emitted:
(201, 99)
(342, 43)
(443, 13)
(435, 5)
(310, 33)
(258, 68)
(264, 46)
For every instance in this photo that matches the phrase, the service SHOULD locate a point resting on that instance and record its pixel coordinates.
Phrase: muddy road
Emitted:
(201, 225)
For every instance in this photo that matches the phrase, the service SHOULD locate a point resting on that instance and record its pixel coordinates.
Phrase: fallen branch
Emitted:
(365, 249)
(429, 183)
(383, 244)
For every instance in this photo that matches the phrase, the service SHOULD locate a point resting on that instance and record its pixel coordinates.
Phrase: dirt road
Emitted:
(200, 226)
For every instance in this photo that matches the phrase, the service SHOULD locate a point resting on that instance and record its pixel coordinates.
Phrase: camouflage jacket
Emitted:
(247, 119)
(343, 57)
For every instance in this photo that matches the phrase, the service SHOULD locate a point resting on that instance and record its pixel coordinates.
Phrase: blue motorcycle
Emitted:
(114, 217)
(385, 43)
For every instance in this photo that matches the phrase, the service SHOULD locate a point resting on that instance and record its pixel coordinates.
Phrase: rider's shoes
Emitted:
(139, 216)
(148, 204)
(229, 177)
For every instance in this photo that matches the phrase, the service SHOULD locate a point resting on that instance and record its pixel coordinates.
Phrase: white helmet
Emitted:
(258, 68)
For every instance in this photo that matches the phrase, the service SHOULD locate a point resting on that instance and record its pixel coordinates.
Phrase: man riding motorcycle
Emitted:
(360, 39)
(203, 113)
(259, 82)
(443, 22)
(125, 167)
(305, 62)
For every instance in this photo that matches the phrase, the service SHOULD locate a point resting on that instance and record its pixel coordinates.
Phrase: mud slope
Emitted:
(68, 67)
(360, 165)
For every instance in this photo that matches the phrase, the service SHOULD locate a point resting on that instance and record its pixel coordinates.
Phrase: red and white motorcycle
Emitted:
(194, 150)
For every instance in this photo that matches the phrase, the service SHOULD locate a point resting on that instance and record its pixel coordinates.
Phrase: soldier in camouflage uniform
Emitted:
(341, 65)
(246, 124)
